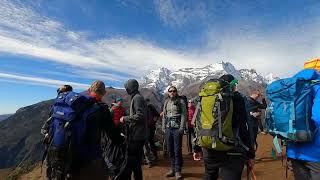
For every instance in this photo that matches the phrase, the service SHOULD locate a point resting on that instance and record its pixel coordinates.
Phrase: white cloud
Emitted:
(23, 31)
(282, 51)
(40, 81)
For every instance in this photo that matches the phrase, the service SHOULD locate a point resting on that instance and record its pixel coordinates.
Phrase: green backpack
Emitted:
(214, 127)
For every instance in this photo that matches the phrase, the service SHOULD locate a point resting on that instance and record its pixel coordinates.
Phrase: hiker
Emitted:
(173, 124)
(45, 131)
(254, 109)
(152, 118)
(191, 133)
(227, 145)
(78, 123)
(117, 111)
(302, 96)
(138, 131)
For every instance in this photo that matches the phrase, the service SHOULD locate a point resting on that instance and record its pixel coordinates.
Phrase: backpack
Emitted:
(214, 127)
(151, 114)
(289, 114)
(70, 112)
(185, 100)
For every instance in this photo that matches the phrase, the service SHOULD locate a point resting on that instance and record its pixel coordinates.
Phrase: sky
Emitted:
(44, 44)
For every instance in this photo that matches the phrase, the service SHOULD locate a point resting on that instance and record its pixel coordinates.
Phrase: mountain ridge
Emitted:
(162, 77)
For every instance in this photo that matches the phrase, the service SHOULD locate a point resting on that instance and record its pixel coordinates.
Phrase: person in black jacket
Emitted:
(229, 163)
(138, 131)
(254, 109)
(92, 165)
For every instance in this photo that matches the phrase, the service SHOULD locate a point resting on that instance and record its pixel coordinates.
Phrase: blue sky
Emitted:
(44, 44)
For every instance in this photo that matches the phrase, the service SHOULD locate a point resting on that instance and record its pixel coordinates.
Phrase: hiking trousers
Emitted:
(151, 141)
(174, 142)
(191, 136)
(135, 153)
(56, 164)
(305, 170)
(147, 153)
(220, 164)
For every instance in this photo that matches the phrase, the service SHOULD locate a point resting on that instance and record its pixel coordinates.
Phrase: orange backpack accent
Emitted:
(313, 64)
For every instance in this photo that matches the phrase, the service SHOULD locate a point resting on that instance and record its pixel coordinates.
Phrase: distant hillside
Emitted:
(4, 116)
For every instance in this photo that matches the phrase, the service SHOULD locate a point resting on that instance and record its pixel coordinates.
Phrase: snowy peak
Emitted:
(251, 75)
(161, 78)
(270, 78)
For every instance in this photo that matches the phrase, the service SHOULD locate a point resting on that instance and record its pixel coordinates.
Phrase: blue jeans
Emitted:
(174, 142)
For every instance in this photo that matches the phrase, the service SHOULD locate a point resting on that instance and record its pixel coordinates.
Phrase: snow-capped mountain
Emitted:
(161, 78)
(251, 75)
(270, 78)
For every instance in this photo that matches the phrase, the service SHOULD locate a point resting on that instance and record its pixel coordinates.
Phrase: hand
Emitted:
(46, 135)
(161, 114)
(197, 156)
(255, 114)
(121, 120)
(164, 130)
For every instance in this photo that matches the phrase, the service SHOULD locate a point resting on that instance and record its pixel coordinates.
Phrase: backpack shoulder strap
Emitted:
(165, 107)
(195, 115)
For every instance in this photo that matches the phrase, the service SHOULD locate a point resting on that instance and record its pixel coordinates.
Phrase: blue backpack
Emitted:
(289, 114)
(68, 116)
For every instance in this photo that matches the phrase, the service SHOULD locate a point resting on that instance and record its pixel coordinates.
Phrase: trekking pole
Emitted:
(253, 174)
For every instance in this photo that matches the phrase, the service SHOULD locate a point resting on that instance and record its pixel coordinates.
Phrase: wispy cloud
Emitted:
(24, 31)
(39, 81)
(178, 13)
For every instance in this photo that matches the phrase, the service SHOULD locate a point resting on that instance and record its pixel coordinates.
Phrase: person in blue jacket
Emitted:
(305, 157)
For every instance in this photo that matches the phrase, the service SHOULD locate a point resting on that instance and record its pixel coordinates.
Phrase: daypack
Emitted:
(185, 100)
(289, 114)
(70, 112)
(152, 113)
(214, 127)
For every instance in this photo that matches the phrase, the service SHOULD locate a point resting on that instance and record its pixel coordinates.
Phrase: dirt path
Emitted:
(4, 173)
(265, 169)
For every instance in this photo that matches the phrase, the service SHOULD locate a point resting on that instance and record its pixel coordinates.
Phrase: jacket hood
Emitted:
(308, 74)
(131, 86)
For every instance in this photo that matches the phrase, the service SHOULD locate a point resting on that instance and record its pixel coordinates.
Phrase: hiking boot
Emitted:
(178, 176)
(170, 174)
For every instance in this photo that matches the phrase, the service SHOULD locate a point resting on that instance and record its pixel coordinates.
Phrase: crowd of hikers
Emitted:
(87, 139)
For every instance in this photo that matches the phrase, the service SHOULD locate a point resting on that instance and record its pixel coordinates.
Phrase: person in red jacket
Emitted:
(117, 111)
(191, 135)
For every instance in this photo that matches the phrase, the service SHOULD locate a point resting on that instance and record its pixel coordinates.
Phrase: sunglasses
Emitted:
(172, 91)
